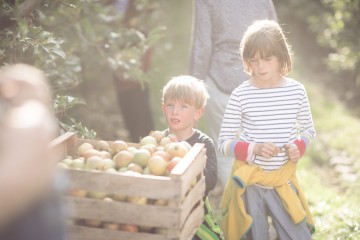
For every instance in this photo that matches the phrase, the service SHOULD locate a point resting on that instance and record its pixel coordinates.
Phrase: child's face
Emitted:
(265, 69)
(180, 116)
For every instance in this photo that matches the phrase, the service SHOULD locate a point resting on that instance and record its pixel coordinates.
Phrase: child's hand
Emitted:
(267, 150)
(292, 152)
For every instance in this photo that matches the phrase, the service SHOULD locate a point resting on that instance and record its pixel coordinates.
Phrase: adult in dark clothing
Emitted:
(218, 27)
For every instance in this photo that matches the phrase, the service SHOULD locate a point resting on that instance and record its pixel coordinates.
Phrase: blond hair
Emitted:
(266, 38)
(186, 89)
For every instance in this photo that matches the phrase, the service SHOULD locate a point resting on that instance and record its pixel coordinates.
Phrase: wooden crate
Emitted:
(183, 189)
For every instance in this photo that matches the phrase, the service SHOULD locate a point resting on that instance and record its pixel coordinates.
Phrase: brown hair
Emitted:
(186, 89)
(266, 38)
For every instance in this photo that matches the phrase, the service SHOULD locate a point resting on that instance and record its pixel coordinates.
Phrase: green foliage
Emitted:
(67, 38)
(338, 29)
(326, 34)
(64, 103)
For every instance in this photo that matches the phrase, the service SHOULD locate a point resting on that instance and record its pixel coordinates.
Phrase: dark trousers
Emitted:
(134, 103)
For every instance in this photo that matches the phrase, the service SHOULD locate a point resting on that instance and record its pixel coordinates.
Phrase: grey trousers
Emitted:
(214, 113)
(261, 203)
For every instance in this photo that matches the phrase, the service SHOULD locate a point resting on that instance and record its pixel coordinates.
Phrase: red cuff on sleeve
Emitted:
(241, 151)
(301, 146)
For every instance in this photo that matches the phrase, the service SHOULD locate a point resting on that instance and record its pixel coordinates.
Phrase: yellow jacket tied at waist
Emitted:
(236, 222)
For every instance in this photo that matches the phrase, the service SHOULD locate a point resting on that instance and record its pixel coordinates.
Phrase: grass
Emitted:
(335, 206)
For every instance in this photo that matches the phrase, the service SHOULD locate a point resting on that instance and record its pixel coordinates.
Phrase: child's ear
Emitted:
(199, 113)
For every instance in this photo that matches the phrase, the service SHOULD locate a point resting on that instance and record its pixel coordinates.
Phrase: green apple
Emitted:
(77, 163)
(141, 157)
(93, 162)
(148, 140)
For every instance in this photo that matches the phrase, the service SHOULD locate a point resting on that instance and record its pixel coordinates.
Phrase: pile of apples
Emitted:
(157, 154)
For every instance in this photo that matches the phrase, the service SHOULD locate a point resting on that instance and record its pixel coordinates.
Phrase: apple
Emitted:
(177, 149)
(187, 145)
(106, 164)
(172, 137)
(148, 140)
(67, 161)
(108, 199)
(134, 167)
(102, 145)
(111, 170)
(84, 147)
(161, 202)
(146, 171)
(92, 162)
(123, 169)
(150, 147)
(92, 222)
(162, 153)
(119, 197)
(90, 153)
(162, 231)
(77, 192)
(164, 141)
(158, 135)
(97, 195)
(111, 226)
(173, 162)
(123, 159)
(132, 149)
(117, 146)
(157, 165)
(77, 163)
(128, 227)
(137, 200)
(141, 157)
(105, 154)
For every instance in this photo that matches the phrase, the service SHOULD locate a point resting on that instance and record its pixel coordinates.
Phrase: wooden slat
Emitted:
(196, 195)
(123, 212)
(140, 185)
(87, 233)
(195, 168)
(60, 147)
(192, 223)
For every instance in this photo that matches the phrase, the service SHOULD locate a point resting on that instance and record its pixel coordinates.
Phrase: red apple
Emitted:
(123, 159)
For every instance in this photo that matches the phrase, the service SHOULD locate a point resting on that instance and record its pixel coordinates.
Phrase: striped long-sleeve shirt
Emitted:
(256, 115)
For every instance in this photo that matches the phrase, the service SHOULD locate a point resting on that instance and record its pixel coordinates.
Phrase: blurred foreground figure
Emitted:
(30, 205)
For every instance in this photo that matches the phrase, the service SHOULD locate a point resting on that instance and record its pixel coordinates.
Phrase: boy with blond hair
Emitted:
(183, 102)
